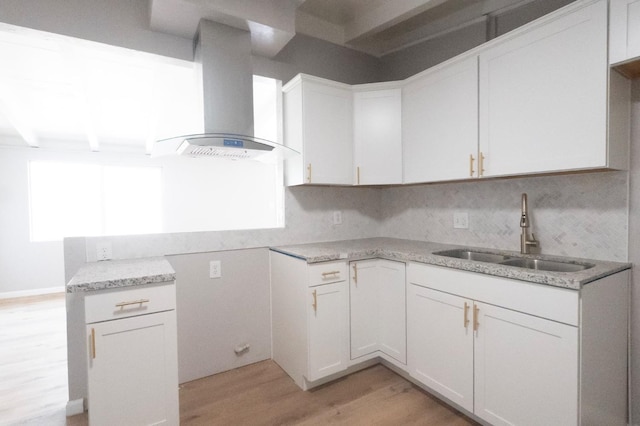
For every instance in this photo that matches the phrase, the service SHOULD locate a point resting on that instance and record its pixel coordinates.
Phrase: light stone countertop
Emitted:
(121, 273)
(422, 252)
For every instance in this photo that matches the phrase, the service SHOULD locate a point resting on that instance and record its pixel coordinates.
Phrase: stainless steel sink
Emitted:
(473, 255)
(546, 265)
(519, 262)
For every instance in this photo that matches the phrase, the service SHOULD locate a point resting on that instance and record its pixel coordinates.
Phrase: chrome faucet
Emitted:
(526, 242)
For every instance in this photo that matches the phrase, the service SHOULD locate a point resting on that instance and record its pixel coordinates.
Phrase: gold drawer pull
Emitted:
(355, 274)
(476, 323)
(309, 173)
(138, 302)
(471, 160)
(93, 343)
(327, 274)
(466, 314)
(481, 165)
(315, 301)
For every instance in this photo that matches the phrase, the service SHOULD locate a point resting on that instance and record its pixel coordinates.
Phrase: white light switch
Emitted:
(461, 220)
(215, 269)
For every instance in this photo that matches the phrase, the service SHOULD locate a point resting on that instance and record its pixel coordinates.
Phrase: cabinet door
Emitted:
(624, 30)
(328, 331)
(543, 96)
(440, 123)
(378, 137)
(327, 119)
(133, 371)
(364, 306)
(392, 324)
(526, 369)
(440, 343)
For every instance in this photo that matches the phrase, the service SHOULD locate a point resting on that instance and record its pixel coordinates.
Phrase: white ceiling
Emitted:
(57, 90)
(377, 27)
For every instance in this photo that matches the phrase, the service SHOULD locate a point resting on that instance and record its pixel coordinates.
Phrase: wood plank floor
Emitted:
(33, 386)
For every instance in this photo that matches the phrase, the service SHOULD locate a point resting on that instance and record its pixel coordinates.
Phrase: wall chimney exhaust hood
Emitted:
(224, 68)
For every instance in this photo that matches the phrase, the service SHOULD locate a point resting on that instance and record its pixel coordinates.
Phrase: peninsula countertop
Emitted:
(423, 252)
(121, 273)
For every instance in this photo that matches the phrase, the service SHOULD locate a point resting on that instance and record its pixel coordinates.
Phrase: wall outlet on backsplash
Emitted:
(461, 220)
(104, 251)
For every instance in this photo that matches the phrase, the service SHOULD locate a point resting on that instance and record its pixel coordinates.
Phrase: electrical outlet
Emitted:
(461, 220)
(337, 217)
(215, 269)
(104, 251)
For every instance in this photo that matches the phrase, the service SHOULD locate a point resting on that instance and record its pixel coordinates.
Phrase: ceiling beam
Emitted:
(17, 114)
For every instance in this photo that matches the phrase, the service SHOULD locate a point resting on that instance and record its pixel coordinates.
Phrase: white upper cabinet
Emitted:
(318, 123)
(543, 96)
(624, 32)
(377, 134)
(440, 122)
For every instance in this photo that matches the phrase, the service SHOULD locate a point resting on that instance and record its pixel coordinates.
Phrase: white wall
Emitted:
(634, 250)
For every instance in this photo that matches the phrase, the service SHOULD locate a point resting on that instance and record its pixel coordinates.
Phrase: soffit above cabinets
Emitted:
(376, 27)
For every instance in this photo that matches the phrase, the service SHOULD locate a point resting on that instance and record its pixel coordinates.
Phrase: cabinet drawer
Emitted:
(109, 305)
(326, 273)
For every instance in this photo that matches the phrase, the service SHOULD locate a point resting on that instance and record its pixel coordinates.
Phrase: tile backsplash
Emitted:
(578, 215)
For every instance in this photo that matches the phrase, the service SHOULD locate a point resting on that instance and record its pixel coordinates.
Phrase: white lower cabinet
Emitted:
(377, 309)
(525, 369)
(327, 329)
(440, 339)
(517, 353)
(309, 317)
(133, 363)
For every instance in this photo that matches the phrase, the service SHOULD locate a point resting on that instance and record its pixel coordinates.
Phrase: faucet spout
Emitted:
(527, 243)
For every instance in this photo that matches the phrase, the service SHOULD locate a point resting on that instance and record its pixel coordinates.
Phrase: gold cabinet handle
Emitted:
(309, 173)
(471, 160)
(138, 302)
(327, 274)
(93, 343)
(315, 301)
(355, 274)
(481, 165)
(358, 175)
(476, 324)
(466, 314)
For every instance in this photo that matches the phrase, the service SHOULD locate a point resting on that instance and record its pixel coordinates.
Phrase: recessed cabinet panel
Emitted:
(318, 123)
(543, 97)
(328, 333)
(526, 369)
(440, 123)
(364, 291)
(378, 137)
(624, 30)
(440, 343)
(133, 377)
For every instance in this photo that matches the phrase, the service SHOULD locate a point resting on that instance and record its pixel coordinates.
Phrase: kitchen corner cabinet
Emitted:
(310, 317)
(624, 34)
(440, 122)
(520, 353)
(133, 362)
(377, 134)
(318, 123)
(378, 309)
(544, 97)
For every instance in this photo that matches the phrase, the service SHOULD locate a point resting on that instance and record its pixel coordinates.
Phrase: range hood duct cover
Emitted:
(224, 67)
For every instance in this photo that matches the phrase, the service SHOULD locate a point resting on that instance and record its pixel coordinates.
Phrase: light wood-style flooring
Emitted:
(33, 385)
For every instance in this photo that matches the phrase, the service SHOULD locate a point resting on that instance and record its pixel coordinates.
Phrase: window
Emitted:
(74, 199)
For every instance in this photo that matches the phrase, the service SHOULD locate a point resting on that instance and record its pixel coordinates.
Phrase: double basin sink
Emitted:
(519, 262)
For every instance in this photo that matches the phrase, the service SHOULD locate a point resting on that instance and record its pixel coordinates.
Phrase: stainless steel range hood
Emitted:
(224, 68)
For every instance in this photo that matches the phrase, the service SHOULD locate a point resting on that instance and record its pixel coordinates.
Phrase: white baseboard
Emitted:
(33, 292)
(75, 407)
